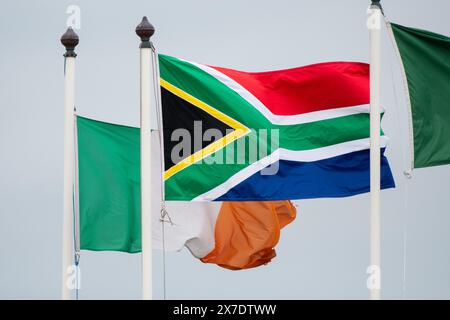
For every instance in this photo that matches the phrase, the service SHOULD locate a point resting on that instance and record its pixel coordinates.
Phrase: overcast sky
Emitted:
(324, 253)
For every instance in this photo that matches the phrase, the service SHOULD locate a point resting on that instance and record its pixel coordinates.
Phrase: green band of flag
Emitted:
(426, 62)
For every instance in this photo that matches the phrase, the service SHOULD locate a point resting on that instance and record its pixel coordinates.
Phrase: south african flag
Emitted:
(290, 134)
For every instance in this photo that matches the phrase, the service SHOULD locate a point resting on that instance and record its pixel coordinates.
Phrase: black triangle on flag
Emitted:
(178, 113)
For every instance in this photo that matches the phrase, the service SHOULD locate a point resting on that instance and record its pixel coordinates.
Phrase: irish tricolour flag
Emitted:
(290, 134)
(232, 234)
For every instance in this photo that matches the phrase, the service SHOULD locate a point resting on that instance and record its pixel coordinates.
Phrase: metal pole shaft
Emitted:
(375, 157)
(145, 175)
(144, 31)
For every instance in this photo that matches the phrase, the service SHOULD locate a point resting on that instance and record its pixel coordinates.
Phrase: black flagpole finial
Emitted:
(376, 3)
(70, 40)
(145, 30)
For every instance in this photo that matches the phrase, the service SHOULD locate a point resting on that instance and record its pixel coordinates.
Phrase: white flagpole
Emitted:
(70, 41)
(145, 30)
(375, 62)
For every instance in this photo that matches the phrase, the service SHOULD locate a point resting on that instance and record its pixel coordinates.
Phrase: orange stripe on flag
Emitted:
(247, 232)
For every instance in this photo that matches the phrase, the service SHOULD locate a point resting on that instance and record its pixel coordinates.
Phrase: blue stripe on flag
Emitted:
(340, 176)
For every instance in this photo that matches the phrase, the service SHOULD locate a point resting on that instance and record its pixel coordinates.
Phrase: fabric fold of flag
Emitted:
(246, 233)
(425, 60)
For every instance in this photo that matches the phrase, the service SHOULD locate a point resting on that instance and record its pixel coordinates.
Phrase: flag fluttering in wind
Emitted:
(237, 147)
(234, 235)
(425, 58)
(309, 125)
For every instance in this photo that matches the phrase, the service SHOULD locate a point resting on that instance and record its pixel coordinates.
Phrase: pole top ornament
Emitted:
(145, 30)
(70, 40)
(376, 3)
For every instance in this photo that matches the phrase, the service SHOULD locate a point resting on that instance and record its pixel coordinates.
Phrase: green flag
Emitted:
(426, 62)
(109, 186)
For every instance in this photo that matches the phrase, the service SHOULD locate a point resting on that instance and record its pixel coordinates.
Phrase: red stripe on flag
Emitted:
(306, 89)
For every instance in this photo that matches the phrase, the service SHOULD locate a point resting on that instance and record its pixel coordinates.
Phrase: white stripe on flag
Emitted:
(284, 154)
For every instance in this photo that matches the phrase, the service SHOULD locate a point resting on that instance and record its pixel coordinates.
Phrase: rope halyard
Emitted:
(408, 175)
(77, 274)
(157, 92)
(163, 213)
(163, 221)
(76, 250)
(405, 239)
(76, 211)
(408, 172)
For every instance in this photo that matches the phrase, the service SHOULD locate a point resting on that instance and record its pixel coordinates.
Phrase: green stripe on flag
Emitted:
(426, 60)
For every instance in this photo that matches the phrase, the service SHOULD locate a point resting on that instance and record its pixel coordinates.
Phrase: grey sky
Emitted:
(323, 254)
